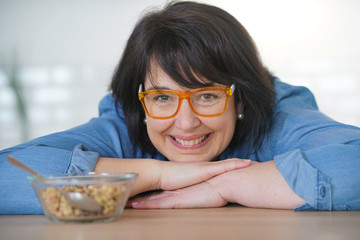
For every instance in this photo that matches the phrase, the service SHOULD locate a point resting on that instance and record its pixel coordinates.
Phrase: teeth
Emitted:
(191, 142)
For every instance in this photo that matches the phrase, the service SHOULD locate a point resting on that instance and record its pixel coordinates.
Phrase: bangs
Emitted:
(185, 60)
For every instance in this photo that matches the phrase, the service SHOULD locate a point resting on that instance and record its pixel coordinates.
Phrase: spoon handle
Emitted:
(20, 165)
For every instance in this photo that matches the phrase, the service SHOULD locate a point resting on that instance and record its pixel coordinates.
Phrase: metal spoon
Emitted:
(75, 199)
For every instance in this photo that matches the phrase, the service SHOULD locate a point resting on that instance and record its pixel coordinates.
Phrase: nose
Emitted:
(186, 119)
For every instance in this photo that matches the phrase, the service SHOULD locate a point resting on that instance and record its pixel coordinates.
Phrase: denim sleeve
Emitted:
(16, 193)
(327, 177)
(71, 151)
(318, 157)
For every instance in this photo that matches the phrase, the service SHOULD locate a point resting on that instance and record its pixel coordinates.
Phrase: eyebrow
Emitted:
(157, 87)
(167, 88)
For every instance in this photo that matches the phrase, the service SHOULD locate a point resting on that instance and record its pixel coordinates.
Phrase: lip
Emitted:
(189, 138)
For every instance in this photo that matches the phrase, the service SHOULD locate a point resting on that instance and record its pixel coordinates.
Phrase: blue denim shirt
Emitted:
(318, 157)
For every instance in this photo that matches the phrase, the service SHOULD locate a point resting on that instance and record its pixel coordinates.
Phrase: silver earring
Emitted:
(240, 116)
(145, 121)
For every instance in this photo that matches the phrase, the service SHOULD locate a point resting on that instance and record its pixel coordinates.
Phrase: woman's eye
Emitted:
(208, 97)
(161, 98)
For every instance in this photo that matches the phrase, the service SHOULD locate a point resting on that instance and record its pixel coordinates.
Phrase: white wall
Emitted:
(67, 50)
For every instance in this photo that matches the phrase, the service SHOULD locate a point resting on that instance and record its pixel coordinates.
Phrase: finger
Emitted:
(148, 197)
(235, 163)
(165, 199)
(128, 204)
(216, 168)
(197, 196)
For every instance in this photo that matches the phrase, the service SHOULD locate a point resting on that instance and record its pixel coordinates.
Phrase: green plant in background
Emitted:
(12, 72)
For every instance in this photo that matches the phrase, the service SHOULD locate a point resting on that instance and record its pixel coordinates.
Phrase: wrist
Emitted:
(149, 171)
(221, 185)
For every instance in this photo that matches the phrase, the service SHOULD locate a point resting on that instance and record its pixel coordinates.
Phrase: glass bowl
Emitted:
(111, 191)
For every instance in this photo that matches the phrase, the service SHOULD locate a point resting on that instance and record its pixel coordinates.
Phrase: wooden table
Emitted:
(231, 222)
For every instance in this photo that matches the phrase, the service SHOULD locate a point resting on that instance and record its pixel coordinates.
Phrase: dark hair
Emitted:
(189, 40)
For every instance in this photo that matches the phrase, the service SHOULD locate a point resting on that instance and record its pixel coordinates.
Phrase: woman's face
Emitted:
(188, 137)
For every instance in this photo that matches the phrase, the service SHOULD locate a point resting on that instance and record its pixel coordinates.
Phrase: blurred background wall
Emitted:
(57, 56)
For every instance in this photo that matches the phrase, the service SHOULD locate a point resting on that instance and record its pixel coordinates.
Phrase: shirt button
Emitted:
(322, 191)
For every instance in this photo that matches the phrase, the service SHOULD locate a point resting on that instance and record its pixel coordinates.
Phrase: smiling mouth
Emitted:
(191, 142)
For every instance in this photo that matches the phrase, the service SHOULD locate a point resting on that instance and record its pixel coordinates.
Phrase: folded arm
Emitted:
(323, 178)
(259, 185)
(155, 174)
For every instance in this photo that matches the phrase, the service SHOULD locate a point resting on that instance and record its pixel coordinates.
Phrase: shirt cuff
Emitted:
(82, 160)
(305, 180)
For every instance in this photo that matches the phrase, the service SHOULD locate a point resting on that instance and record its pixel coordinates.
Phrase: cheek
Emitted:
(227, 122)
(223, 125)
(156, 127)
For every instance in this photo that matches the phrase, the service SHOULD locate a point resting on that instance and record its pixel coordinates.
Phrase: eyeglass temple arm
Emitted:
(232, 87)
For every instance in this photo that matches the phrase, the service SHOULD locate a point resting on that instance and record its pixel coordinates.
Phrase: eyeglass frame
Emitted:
(186, 95)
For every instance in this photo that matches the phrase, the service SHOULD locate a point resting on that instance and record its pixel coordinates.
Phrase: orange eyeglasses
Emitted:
(205, 102)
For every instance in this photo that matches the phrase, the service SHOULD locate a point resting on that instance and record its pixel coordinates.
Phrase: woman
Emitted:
(206, 104)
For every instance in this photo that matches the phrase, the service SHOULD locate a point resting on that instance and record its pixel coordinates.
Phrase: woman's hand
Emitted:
(175, 175)
(196, 186)
(197, 196)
